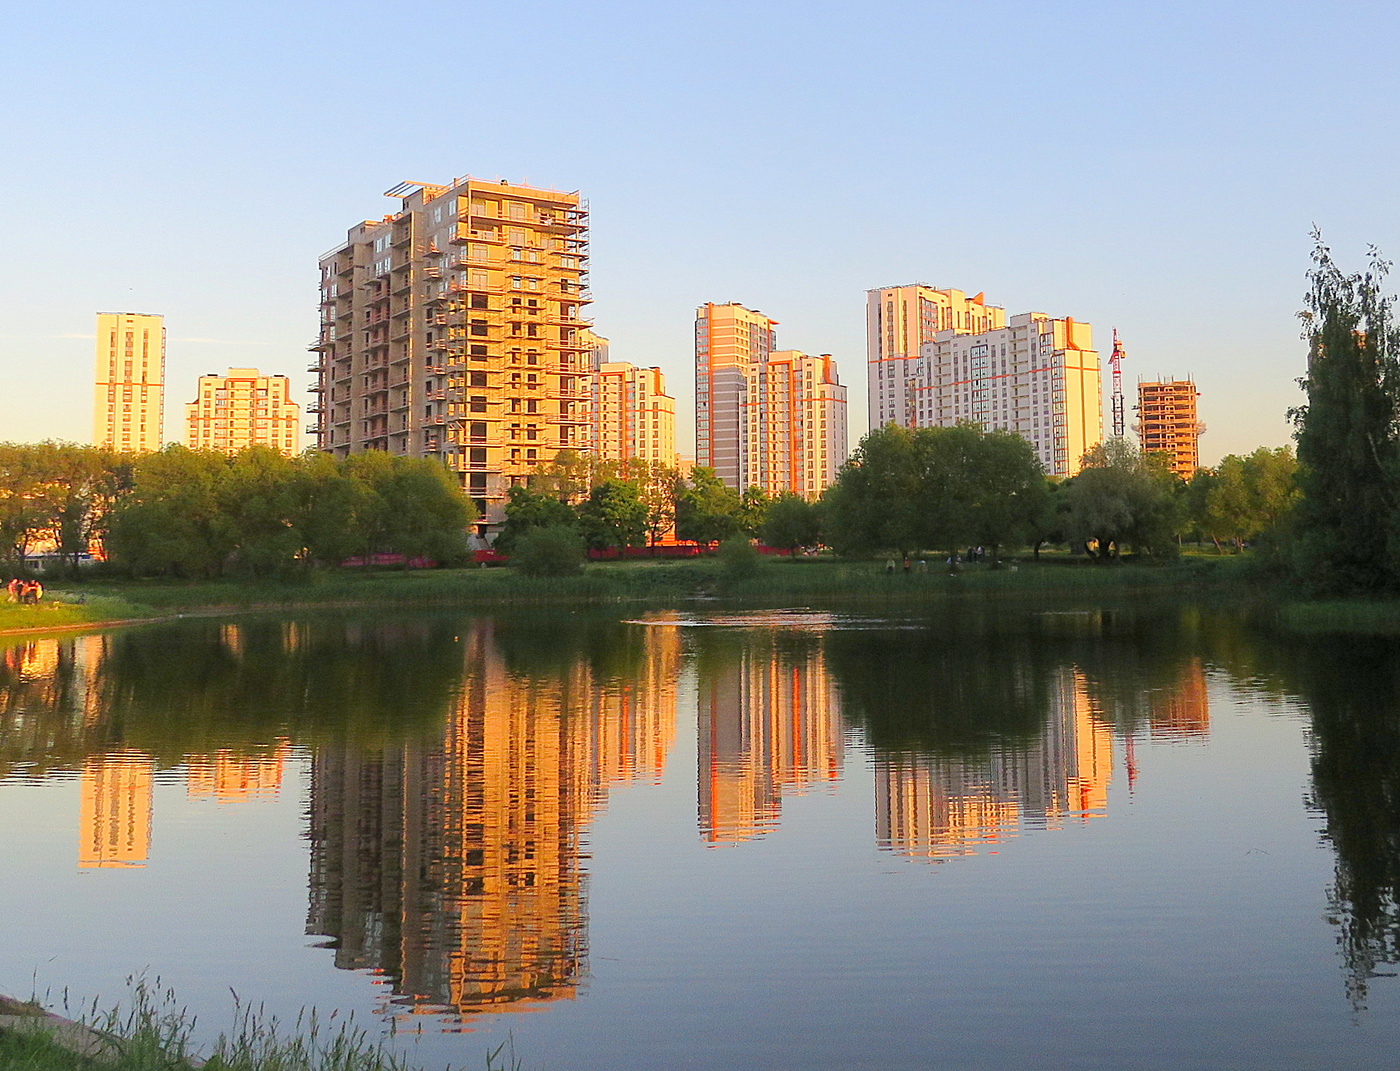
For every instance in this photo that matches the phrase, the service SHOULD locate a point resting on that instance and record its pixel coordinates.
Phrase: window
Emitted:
(480, 301)
(477, 403)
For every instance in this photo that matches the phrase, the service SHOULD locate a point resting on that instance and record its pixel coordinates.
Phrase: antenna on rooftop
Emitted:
(1115, 362)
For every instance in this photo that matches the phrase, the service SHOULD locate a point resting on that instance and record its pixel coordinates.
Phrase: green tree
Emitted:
(707, 510)
(173, 520)
(327, 504)
(1347, 537)
(528, 509)
(1124, 498)
(409, 506)
(553, 550)
(876, 504)
(259, 498)
(790, 522)
(613, 516)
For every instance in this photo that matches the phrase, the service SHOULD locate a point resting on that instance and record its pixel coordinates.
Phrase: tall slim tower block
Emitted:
(728, 338)
(128, 411)
(764, 417)
(1167, 423)
(452, 329)
(243, 408)
(633, 416)
(795, 424)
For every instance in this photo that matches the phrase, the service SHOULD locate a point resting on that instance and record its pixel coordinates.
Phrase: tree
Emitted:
(875, 503)
(790, 522)
(1347, 538)
(259, 497)
(1124, 498)
(613, 516)
(707, 510)
(174, 520)
(553, 550)
(528, 509)
(326, 505)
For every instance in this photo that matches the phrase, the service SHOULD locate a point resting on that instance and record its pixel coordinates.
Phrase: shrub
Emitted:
(553, 551)
(739, 559)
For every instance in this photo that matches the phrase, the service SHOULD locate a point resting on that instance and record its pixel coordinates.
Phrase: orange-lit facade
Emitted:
(633, 416)
(455, 867)
(899, 321)
(932, 807)
(235, 777)
(452, 329)
(1183, 711)
(1167, 423)
(114, 811)
(243, 408)
(795, 424)
(769, 725)
(128, 412)
(764, 417)
(728, 339)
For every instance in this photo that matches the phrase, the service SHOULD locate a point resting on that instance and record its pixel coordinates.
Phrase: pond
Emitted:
(980, 835)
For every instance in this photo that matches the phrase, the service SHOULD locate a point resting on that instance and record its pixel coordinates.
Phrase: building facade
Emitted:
(452, 328)
(1037, 376)
(899, 320)
(728, 338)
(128, 411)
(1167, 423)
(243, 408)
(764, 417)
(936, 357)
(795, 424)
(633, 416)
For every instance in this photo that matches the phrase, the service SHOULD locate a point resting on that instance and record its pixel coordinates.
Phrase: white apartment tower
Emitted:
(128, 413)
(795, 424)
(1036, 376)
(898, 321)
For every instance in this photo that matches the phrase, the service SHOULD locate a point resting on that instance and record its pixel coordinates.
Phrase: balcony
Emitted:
(464, 233)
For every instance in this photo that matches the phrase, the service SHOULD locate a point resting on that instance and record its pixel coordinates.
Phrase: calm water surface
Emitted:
(984, 837)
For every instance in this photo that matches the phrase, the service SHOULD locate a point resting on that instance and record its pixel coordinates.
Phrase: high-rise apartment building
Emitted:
(764, 417)
(115, 810)
(937, 357)
(128, 411)
(452, 329)
(1167, 423)
(1037, 376)
(728, 338)
(633, 416)
(243, 408)
(899, 320)
(795, 424)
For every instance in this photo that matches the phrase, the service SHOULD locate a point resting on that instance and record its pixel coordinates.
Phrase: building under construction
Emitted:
(1167, 423)
(453, 329)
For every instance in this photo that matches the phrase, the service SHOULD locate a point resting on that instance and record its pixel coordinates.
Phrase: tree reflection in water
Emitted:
(457, 762)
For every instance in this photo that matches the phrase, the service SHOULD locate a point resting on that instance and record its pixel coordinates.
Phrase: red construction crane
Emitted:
(1115, 362)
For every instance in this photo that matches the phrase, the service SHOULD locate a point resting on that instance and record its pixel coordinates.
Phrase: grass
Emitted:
(1356, 617)
(662, 582)
(154, 1034)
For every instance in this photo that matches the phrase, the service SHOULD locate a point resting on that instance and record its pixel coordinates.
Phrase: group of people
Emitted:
(890, 566)
(25, 592)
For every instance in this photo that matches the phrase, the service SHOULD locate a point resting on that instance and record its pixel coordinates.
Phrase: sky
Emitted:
(1146, 166)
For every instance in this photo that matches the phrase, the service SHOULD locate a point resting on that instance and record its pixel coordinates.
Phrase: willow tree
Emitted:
(1347, 538)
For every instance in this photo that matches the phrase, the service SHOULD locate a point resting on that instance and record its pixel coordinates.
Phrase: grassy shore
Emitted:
(640, 582)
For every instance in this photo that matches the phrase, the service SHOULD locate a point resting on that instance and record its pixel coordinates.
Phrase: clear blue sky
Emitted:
(1150, 166)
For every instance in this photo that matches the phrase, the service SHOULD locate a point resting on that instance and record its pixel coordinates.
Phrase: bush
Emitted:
(553, 551)
(739, 559)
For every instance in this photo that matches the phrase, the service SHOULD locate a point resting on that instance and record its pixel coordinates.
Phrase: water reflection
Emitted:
(933, 806)
(456, 764)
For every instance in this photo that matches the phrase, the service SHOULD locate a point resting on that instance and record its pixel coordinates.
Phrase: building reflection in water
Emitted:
(453, 866)
(933, 806)
(114, 811)
(1183, 710)
(768, 724)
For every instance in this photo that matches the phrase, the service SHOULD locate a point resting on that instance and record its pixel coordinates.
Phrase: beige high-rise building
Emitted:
(451, 329)
(1037, 376)
(795, 416)
(764, 417)
(128, 411)
(633, 416)
(115, 810)
(899, 320)
(1167, 423)
(243, 408)
(728, 338)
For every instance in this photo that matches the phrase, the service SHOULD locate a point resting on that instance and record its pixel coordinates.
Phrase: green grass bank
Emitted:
(657, 583)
